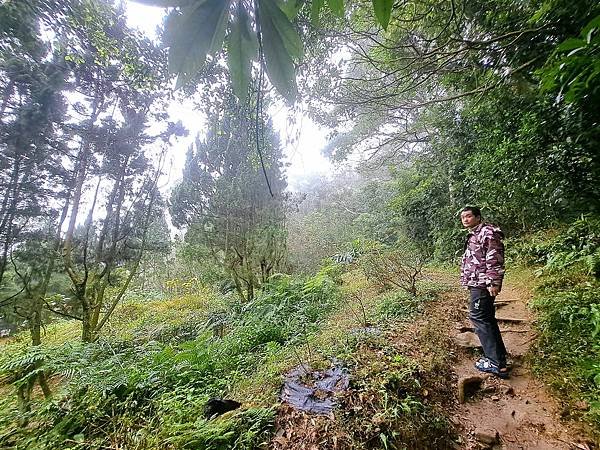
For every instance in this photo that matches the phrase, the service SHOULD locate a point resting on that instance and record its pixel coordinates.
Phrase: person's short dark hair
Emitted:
(474, 210)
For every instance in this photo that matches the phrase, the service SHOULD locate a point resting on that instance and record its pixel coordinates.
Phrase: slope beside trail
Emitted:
(517, 413)
(481, 411)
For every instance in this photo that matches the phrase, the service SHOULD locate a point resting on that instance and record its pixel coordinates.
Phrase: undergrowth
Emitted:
(567, 302)
(389, 403)
(145, 385)
(387, 408)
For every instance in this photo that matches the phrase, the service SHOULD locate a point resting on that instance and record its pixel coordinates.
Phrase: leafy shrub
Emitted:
(567, 301)
(577, 247)
(386, 407)
(398, 305)
(568, 347)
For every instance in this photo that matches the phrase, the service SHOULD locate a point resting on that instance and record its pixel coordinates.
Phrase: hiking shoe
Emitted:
(485, 365)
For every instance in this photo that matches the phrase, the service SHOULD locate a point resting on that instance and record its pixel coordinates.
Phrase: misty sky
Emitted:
(303, 154)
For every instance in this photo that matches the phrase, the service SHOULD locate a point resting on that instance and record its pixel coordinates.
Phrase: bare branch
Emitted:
(60, 313)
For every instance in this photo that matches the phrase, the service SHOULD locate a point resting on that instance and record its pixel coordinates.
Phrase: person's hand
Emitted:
(494, 290)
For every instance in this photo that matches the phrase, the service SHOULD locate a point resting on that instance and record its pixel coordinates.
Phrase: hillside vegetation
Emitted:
(132, 297)
(145, 384)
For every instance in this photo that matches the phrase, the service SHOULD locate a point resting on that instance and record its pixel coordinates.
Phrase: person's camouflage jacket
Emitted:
(483, 261)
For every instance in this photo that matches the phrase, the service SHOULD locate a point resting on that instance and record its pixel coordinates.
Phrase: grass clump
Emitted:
(244, 430)
(397, 305)
(387, 407)
(400, 305)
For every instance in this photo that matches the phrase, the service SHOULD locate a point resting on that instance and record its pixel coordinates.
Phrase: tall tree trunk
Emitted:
(117, 195)
(36, 339)
(251, 279)
(36, 334)
(87, 330)
(8, 89)
(136, 265)
(80, 175)
(99, 289)
(80, 172)
(24, 401)
(37, 296)
(237, 284)
(112, 223)
(7, 214)
(91, 286)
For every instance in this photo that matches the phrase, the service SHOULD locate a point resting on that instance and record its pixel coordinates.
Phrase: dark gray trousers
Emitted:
(483, 316)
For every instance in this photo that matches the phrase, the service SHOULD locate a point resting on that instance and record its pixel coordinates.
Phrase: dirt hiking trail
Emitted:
(484, 412)
(516, 413)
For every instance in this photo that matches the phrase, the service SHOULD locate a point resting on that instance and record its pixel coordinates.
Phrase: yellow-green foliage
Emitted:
(138, 319)
(143, 384)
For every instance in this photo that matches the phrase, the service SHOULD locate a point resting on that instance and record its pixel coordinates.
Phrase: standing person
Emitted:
(482, 271)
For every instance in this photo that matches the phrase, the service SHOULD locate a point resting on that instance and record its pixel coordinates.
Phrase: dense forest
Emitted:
(132, 300)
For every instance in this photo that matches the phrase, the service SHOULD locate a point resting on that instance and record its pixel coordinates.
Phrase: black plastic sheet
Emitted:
(314, 391)
(366, 331)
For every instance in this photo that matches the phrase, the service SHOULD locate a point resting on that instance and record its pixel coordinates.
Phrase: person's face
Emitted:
(469, 220)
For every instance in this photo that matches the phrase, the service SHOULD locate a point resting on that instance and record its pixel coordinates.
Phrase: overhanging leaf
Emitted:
(591, 28)
(315, 11)
(279, 63)
(337, 7)
(241, 50)
(570, 44)
(590, 34)
(575, 51)
(191, 33)
(271, 11)
(383, 11)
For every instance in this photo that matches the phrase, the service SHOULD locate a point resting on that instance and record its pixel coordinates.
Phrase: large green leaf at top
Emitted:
(279, 48)
(270, 10)
(242, 47)
(383, 11)
(192, 32)
(166, 3)
(315, 11)
(337, 7)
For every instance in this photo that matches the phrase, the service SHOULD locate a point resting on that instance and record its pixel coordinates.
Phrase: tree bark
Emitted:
(7, 213)
(5, 97)
(80, 173)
